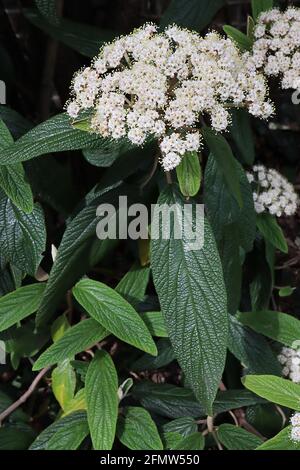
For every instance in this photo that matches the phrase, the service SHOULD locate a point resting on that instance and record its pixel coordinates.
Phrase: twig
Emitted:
(211, 430)
(153, 170)
(25, 395)
(283, 417)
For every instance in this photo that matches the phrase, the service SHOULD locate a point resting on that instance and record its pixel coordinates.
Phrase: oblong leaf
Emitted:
(106, 306)
(195, 314)
(133, 285)
(65, 434)
(19, 304)
(54, 135)
(22, 236)
(137, 430)
(251, 349)
(76, 339)
(275, 389)
(155, 323)
(63, 383)
(81, 37)
(272, 232)
(258, 6)
(236, 438)
(101, 385)
(189, 174)
(282, 441)
(241, 39)
(275, 325)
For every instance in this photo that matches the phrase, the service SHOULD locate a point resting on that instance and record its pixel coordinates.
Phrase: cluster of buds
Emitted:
(290, 360)
(162, 85)
(295, 432)
(272, 192)
(276, 49)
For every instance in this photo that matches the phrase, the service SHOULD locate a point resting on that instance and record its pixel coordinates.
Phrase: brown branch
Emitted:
(153, 170)
(25, 395)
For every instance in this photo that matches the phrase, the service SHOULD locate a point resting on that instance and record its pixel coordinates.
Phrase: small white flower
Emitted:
(277, 45)
(170, 161)
(73, 109)
(290, 359)
(272, 192)
(295, 432)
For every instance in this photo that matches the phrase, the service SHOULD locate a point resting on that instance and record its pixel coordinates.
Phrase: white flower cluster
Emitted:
(290, 360)
(272, 192)
(276, 47)
(161, 84)
(295, 432)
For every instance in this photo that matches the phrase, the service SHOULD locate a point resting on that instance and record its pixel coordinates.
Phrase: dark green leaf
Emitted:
(251, 349)
(226, 162)
(76, 339)
(229, 250)
(22, 236)
(165, 355)
(259, 6)
(16, 123)
(54, 135)
(48, 10)
(19, 304)
(236, 438)
(16, 437)
(134, 284)
(184, 426)
(64, 434)
(271, 231)
(192, 14)
(275, 389)
(113, 312)
(223, 209)
(137, 431)
(13, 183)
(101, 386)
(275, 325)
(83, 38)
(193, 442)
(195, 315)
(242, 136)
(155, 323)
(12, 177)
(107, 154)
(178, 402)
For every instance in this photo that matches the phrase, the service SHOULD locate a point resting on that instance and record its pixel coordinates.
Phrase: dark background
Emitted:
(37, 70)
